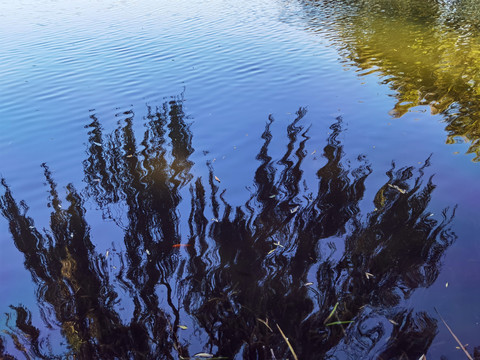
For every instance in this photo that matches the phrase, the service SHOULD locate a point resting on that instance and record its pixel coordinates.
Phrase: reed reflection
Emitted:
(426, 51)
(286, 257)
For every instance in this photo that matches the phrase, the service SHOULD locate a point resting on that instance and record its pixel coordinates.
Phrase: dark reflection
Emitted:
(427, 51)
(73, 286)
(145, 179)
(399, 244)
(225, 281)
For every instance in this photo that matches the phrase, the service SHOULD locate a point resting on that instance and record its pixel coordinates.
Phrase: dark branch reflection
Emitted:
(287, 257)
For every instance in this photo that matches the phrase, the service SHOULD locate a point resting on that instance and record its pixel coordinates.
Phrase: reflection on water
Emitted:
(223, 285)
(427, 51)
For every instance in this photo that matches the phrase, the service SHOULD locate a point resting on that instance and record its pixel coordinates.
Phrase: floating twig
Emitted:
(400, 190)
(331, 313)
(339, 323)
(265, 323)
(454, 336)
(288, 343)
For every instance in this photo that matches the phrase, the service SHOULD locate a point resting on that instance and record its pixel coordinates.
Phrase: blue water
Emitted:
(233, 128)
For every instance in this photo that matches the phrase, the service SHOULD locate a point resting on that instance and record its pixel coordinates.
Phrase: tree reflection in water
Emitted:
(425, 50)
(231, 286)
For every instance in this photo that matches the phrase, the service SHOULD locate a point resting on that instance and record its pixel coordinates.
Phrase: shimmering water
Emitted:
(191, 177)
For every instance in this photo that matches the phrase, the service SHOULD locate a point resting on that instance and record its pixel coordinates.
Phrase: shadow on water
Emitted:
(426, 51)
(286, 257)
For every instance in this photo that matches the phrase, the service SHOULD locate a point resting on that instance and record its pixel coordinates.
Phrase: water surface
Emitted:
(193, 177)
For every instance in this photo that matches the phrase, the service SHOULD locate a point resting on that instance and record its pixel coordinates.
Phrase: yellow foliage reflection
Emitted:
(427, 51)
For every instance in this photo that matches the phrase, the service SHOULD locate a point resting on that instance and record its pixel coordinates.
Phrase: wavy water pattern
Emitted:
(190, 177)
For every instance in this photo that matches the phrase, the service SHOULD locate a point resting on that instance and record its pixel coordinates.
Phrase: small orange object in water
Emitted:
(180, 245)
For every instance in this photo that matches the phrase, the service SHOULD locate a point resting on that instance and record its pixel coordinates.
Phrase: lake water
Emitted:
(207, 179)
